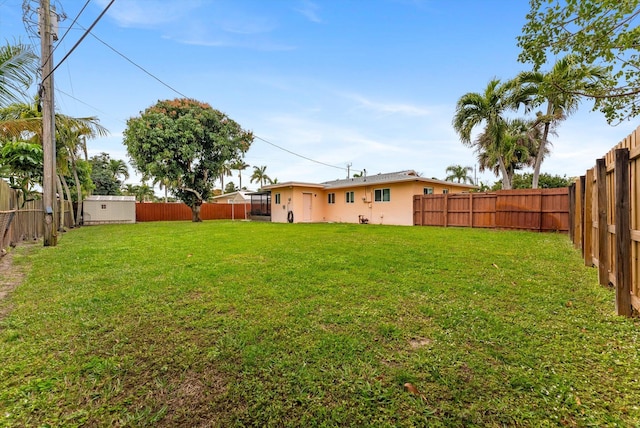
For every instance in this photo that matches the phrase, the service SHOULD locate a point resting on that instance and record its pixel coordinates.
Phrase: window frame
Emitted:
(277, 198)
(331, 198)
(382, 193)
(427, 190)
(352, 199)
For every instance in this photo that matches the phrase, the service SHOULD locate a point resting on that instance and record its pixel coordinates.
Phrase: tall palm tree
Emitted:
(259, 175)
(488, 108)
(559, 88)
(240, 165)
(225, 170)
(520, 144)
(459, 173)
(18, 68)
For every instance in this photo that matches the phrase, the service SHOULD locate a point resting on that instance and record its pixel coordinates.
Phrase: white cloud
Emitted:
(309, 10)
(387, 107)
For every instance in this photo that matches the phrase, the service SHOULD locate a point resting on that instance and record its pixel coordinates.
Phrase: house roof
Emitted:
(391, 177)
(110, 198)
(238, 196)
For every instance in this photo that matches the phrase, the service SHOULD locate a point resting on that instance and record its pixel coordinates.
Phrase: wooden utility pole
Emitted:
(48, 125)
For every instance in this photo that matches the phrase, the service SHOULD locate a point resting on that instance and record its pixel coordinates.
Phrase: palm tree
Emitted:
(225, 170)
(259, 175)
(520, 145)
(118, 168)
(459, 173)
(240, 166)
(559, 88)
(18, 68)
(488, 108)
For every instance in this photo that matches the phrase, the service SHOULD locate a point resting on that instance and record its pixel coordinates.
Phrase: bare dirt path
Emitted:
(10, 278)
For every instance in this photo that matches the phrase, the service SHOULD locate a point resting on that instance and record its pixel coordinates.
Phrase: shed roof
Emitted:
(110, 198)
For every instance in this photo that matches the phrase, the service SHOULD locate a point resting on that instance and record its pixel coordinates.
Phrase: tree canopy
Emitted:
(186, 142)
(598, 33)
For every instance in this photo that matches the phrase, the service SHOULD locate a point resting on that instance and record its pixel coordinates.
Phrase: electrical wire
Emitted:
(88, 31)
(80, 40)
(70, 26)
(185, 96)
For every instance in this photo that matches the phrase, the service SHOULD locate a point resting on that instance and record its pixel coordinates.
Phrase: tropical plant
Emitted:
(118, 168)
(596, 32)
(102, 177)
(240, 165)
(225, 170)
(559, 89)
(459, 173)
(18, 68)
(21, 164)
(187, 142)
(488, 109)
(259, 175)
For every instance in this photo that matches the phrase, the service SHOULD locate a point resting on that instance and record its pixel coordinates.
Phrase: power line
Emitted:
(136, 65)
(80, 40)
(185, 96)
(299, 155)
(71, 26)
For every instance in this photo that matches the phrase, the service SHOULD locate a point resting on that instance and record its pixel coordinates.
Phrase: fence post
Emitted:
(446, 209)
(603, 226)
(580, 219)
(572, 211)
(623, 234)
(588, 219)
(471, 210)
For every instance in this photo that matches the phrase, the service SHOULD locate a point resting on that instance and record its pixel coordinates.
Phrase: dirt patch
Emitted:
(419, 342)
(10, 278)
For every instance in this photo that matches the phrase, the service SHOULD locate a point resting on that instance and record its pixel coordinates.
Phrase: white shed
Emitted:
(98, 209)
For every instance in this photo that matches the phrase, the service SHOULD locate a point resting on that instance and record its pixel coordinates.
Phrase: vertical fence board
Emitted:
(587, 246)
(523, 209)
(623, 233)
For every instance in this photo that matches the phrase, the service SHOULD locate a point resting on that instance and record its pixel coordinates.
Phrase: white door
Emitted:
(306, 206)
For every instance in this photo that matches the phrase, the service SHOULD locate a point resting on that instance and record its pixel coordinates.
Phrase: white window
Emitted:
(277, 198)
(350, 197)
(103, 206)
(331, 198)
(445, 190)
(428, 190)
(382, 195)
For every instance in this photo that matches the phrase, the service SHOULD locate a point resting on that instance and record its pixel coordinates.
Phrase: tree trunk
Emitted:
(61, 201)
(543, 144)
(506, 182)
(79, 191)
(195, 212)
(68, 193)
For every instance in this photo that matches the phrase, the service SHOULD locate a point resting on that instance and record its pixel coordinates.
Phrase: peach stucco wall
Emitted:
(397, 211)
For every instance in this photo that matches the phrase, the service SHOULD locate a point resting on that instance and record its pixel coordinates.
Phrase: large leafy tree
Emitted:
(18, 67)
(187, 142)
(597, 32)
(489, 109)
(558, 88)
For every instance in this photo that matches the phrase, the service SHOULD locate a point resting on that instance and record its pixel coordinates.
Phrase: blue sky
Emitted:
(371, 83)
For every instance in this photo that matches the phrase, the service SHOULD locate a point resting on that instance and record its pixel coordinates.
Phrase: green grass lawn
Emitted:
(260, 324)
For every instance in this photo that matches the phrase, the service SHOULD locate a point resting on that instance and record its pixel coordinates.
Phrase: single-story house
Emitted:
(99, 209)
(377, 199)
(239, 197)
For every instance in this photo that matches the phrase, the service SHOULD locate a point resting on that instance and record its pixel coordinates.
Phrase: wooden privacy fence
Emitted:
(179, 211)
(545, 210)
(605, 220)
(22, 222)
